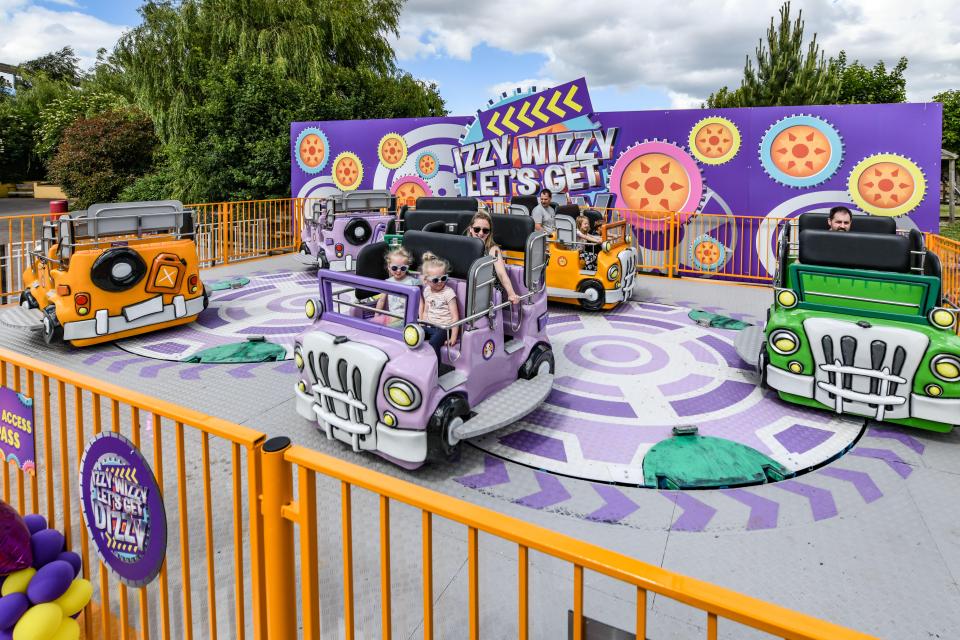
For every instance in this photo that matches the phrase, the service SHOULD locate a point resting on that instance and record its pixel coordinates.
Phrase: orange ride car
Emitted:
(114, 271)
(570, 280)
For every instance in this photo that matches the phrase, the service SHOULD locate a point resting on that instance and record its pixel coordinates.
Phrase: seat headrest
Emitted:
(859, 223)
(417, 219)
(530, 202)
(571, 210)
(853, 250)
(511, 232)
(432, 203)
(459, 251)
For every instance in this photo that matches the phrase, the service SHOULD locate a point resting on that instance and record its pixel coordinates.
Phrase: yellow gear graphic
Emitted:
(714, 140)
(886, 184)
(392, 150)
(347, 171)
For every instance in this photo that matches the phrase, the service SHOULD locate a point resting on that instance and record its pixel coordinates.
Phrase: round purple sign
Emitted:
(123, 508)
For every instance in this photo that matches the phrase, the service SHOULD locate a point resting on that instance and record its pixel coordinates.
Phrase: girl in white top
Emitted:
(587, 253)
(438, 305)
(398, 267)
(481, 226)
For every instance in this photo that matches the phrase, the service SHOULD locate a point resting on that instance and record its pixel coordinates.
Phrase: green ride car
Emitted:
(857, 326)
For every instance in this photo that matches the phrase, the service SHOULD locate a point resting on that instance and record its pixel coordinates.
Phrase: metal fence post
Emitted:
(279, 568)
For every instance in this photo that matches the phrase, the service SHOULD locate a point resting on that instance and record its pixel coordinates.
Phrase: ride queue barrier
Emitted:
(257, 497)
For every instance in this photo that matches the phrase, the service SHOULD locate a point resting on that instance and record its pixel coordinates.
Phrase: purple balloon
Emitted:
(73, 559)
(51, 581)
(35, 522)
(11, 608)
(15, 552)
(46, 545)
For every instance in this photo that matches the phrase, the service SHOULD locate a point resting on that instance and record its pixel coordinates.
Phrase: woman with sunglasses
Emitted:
(398, 271)
(481, 226)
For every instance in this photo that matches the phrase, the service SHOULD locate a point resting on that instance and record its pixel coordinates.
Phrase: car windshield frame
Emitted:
(333, 284)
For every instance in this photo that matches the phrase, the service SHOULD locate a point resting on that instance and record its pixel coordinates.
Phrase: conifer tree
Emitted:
(784, 74)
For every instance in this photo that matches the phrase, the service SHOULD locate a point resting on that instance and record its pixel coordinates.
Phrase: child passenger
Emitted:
(398, 269)
(438, 305)
(585, 235)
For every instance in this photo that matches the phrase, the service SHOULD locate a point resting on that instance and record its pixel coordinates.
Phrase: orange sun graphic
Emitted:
(800, 151)
(655, 182)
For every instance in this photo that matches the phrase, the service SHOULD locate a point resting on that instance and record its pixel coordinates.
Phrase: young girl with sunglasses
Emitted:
(481, 226)
(398, 271)
(438, 304)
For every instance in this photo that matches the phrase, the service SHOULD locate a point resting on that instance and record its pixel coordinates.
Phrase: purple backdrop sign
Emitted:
(710, 165)
(123, 508)
(17, 439)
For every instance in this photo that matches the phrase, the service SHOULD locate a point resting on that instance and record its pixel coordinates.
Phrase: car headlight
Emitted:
(389, 419)
(795, 367)
(302, 386)
(402, 394)
(413, 335)
(946, 367)
(607, 246)
(298, 358)
(313, 308)
(933, 390)
(786, 298)
(784, 342)
(613, 272)
(942, 318)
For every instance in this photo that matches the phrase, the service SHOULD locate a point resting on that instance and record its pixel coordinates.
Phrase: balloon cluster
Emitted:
(41, 593)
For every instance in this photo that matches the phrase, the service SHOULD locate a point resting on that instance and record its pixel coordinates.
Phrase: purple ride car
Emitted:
(379, 387)
(336, 228)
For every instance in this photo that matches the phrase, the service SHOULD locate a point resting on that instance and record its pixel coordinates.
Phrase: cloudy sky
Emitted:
(636, 54)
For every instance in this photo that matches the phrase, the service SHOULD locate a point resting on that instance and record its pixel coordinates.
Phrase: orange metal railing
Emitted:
(232, 552)
(214, 561)
(949, 253)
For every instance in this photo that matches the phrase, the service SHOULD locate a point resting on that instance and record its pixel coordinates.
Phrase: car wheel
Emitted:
(52, 329)
(118, 269)
(206, 297)
(594, 296)
(762, 361)
(539, 361)
(357, 232)
(28, 301)
(450, 414)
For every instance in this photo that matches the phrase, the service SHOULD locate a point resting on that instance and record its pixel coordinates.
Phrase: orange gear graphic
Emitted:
(427, 165)
(887, 184)
(707, 253)
(409, 188)
(714, 140)
(347, 171)
(313, 150)
(655, 183)
(392, 150)
(801, 151)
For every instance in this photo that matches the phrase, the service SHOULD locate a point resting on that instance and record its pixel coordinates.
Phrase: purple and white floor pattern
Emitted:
(625, 378)
(271, 305)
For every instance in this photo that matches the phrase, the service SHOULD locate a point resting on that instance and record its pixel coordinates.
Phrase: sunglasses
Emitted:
(437, 279)
(483, 230)
(399, 267)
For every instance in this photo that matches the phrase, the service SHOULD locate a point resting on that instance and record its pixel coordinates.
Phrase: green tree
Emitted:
(63, 111)
(16, 147)
(784, 74)
(98, 157)
(951, 119)
(861, 85)
(179, 45)
(59, 66)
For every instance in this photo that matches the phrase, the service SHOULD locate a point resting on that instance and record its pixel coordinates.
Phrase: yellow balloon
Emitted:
(40, 622)
(17, 581)
(69, 630)
(76, 597)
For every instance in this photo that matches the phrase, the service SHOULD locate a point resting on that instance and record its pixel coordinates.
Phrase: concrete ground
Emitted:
(870, 540)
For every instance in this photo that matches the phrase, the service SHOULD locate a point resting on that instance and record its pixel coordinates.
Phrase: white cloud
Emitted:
(686, 49)
(28, 31)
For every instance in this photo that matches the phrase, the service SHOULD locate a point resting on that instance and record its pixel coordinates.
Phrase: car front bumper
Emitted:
(143, 314)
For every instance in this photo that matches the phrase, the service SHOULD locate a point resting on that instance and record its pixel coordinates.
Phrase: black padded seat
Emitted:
(530, 202)
(436, 203)
(859, 223)
(511, 232)
(852, 250)
(459, 251)
(570, 210)
(417, 219)
(595, 216)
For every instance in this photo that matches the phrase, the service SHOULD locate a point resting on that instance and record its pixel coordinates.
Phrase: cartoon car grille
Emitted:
(863, 369)
(345, 377)
(628, 266)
